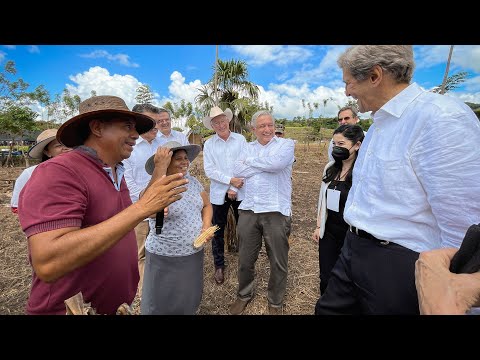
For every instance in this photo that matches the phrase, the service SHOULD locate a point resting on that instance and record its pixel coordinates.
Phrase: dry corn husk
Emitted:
(202, 238)
(76, 306)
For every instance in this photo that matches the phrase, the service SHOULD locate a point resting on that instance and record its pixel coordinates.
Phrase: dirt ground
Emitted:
(303, 275)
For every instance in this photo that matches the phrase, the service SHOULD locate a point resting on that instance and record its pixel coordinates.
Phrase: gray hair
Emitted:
(143, 108)
(259, 113)
(397, 60)
(351, 108)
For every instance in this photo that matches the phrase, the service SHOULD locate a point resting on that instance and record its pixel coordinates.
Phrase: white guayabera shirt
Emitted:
(267, 170)
(218, 160)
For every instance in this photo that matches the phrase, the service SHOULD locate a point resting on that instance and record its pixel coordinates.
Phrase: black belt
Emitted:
(366, 235)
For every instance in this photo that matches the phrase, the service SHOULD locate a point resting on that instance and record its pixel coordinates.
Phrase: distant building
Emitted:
(28, 138)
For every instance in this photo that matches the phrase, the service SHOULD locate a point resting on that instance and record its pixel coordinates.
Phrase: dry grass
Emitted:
(303, 276)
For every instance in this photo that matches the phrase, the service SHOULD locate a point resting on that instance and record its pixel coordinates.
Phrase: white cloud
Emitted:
(180, 90)
(258, 55)
(10, 47)
(325, 72)
(286, 100)
(427, 56)
(121, 59)
(467, 97)
(464, 57)
(34, 49)
(2, 56)
(473, 84)
(103, 83)
(467, 56)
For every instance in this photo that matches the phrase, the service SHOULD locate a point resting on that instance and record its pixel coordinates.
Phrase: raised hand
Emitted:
(162, 192)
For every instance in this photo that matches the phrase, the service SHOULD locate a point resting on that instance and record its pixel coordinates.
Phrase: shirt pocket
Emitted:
(392, 177)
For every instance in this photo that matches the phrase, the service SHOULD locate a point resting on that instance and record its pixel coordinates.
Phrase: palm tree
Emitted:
(442, 90)
(233, 90)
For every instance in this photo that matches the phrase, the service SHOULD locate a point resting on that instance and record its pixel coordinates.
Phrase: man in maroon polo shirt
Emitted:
(77, 213)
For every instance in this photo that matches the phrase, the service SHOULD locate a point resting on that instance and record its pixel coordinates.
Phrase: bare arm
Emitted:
(441, 292)
(58, 252)
(207, 211)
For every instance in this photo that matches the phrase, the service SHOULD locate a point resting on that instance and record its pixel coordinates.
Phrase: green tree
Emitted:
(63, 107)
(184, 109)
(16, 120)
(145, 94)
(452, 82)
(16, 114)
(233, 90)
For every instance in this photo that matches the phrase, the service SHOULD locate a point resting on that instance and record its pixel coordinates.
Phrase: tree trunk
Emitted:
(445, 77)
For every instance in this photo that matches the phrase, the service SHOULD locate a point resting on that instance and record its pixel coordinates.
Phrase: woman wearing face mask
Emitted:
(337, 180)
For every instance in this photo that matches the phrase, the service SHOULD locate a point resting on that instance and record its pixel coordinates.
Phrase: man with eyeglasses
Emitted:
(346, 115)
(135, 175)
(165, 132)
(219, 155)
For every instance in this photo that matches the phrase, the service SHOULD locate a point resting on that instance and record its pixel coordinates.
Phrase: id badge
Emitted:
(333, 200)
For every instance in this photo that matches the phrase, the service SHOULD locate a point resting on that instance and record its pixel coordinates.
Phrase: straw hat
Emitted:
(192, 152)
(43, 139)
(75, 131)
(214, 112)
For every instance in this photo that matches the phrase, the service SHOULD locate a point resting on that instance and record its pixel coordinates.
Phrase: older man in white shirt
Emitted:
(266, 165)
(415, 183)
(219, 155)
(135, 175)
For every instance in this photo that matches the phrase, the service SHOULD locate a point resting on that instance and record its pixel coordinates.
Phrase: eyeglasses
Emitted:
(346, 118)
(218, 122)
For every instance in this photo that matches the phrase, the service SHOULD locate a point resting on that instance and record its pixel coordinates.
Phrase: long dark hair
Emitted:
(354, 133)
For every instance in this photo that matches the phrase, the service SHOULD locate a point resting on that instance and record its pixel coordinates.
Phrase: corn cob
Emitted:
(202, 238)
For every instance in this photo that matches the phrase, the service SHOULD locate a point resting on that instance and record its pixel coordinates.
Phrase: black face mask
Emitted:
(340, 153)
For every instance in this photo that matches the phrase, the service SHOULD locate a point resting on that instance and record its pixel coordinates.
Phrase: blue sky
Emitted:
(285, 74)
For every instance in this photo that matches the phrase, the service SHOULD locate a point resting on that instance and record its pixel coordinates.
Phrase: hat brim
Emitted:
(208, 119)
(75, 131)
(192, 153)
(36, 151)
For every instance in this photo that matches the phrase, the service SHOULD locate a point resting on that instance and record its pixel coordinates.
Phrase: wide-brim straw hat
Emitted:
(75, 131)
(192, 153)
(43, 139)
(214, 112)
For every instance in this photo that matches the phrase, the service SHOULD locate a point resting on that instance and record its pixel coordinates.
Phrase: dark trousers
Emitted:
(220, 213)
(371, 278)
(329, 248)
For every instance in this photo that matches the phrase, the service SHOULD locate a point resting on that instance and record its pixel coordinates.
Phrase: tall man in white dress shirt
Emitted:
(415, 183)
(219, 155)
(135, 175)
(266, 165)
